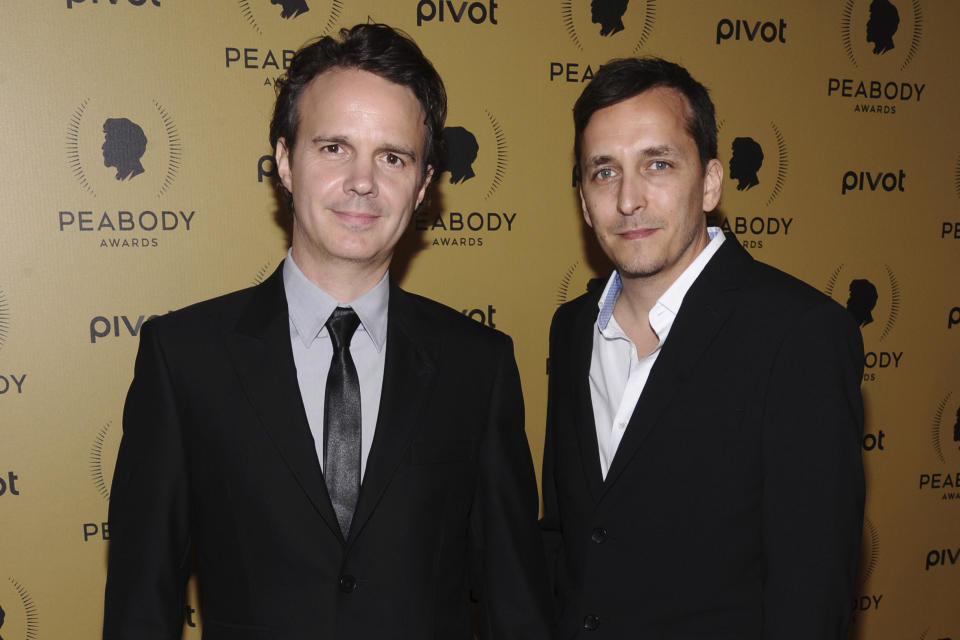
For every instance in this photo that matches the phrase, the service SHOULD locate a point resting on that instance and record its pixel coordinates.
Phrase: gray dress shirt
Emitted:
(309, 307)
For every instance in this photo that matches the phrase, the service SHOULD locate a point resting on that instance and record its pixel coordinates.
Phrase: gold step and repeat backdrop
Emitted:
(136, 179)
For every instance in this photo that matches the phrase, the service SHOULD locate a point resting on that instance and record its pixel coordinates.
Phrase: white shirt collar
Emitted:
(671, 299)
(310, 306)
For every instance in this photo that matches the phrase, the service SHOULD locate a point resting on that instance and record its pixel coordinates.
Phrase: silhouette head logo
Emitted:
(462, 150)
(608, 14)
(956, 429)
(746, 160)
(291, 8)
(123, 145)
(862, 300)
(882, 24)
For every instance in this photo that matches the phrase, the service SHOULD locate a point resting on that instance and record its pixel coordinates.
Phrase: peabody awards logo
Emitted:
(944, 483)
(475, 168)
(102, 460)
(18, 613)
(872, 296)
(4, 319)
(286, 24)
(125, 156)
(605, 29)
(880, 38)
(11, 384)
(869, 559)
(577, 280)
(757, 172)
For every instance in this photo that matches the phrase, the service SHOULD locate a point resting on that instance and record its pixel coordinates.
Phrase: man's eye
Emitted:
(603, 174)
(394, 159)
(660, 165)
(332, 148)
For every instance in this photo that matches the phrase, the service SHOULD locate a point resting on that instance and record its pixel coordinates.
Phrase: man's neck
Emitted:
(346, 281)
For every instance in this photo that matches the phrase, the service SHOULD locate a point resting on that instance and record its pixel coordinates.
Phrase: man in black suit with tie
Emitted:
(702, 474)
(342, 458)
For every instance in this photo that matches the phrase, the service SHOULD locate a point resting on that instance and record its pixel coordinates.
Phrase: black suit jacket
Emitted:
(733, 506)
(217, 459)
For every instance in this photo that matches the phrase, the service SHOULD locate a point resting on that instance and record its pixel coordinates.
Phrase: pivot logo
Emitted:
(122, 152)
(483, 316)
(19, 619)
(477, 164)
(602, 28)
(286, 23)
(8, 484)
(874, 309)
(759, 176)
(941, 558)
(751, 30)
(873, 441)
(134, 3)
(872, 181)
(116, 326)
(454, 11)
(880, 37)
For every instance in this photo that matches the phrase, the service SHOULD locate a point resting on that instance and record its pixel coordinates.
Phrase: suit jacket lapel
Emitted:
(408, 376)
(705, 309)
(586, 423)
(263, 357)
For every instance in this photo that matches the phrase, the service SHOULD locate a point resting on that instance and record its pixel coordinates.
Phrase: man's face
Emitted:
(643, 189)
(356, 171)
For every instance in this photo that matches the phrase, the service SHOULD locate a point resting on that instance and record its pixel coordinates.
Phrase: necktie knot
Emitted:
(341, 325)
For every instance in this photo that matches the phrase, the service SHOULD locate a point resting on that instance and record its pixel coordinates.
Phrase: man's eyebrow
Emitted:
(593, 161)
(660, 150)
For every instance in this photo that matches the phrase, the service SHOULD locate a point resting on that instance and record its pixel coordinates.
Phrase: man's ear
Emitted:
(282, 156)
(427, 178)
(583, 206)
(712, 184)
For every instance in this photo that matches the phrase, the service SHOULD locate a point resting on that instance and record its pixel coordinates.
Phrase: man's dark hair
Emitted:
(378, 49)
(623, 78)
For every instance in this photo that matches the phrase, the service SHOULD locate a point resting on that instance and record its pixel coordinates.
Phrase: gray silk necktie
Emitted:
(341, 420)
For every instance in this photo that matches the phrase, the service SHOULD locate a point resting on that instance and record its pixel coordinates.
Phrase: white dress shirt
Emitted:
(310, 307)
(617, 374)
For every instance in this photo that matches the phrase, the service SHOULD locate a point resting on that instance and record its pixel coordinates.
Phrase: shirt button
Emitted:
(591, 622)
(598, 535)
(621, 426)
(348, 584)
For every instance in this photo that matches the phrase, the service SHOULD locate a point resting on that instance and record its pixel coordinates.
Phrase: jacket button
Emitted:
(598, 535)
(348, 584)
(591, 623)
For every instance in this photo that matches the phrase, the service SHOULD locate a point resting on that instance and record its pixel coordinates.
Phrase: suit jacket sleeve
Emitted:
(149, 557)
(514, 601)
(813, 487)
